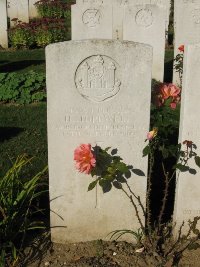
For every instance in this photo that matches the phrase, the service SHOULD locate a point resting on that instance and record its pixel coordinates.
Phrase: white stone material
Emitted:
(146, 24)
(91, 22)
(187, 204)
(187, 26)
(3, 24)
(32, 9)
(18, 9)
(118, 11)
(99, 93)
(12, 10)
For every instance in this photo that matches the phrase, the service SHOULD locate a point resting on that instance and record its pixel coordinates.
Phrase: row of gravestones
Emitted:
(21, 9)
(131, 20)
(99, 92)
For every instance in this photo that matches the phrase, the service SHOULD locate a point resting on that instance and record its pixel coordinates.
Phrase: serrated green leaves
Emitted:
(197, 161)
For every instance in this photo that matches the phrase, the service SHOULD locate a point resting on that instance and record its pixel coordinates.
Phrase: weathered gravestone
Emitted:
(99, 93)
(161, 3)
(116, 18)
(187, 204)
(18, 9)
(90, 22)
(187, 26)
(33, 13)
(3, 24)
(146, 24)
(114, 23)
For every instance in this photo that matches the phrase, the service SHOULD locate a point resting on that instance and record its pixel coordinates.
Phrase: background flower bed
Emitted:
(53, 25)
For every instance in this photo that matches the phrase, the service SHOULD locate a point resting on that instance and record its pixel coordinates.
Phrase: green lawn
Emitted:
(22, 60)
(23, 130)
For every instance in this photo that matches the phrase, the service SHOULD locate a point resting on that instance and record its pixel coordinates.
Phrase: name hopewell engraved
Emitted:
(144, 18)
(96, 78)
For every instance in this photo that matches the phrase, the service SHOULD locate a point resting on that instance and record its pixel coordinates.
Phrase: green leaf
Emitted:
(122, 167)
(146, 151)
(181, 167)
(197, 161)
(106, 185)
(192, 171)
(92, 185)
(138, 172)
(117, 185)
(107, 148)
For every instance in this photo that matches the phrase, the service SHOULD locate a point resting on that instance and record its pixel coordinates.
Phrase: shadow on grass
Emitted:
(7, 133)
(3, 61)
(19, 65)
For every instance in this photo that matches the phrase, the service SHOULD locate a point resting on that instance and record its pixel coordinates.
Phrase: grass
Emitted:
(23, 130)
(22, 60)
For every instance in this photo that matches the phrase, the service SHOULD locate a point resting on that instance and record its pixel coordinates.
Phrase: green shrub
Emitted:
(22, 88)
(40, 32)
(18, 197)
(21, 35)
(43, 37)
(54, 8)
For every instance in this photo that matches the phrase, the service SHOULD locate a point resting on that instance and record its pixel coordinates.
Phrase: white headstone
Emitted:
(91, 22)
(118, 11)
(187, 26)
(18, 9)
(33, 13)
(12, 10)
(187, 202)
(3, 24)
(146, 24)
(82, 109)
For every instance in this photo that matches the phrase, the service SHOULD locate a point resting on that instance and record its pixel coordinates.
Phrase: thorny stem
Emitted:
(164, 199)
(149, 186)
(136, 209)
(138, 199)
(178, 239)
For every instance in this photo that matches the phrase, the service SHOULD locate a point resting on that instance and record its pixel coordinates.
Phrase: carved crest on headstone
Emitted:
(144, 17)
(91, 17)
(96, 78)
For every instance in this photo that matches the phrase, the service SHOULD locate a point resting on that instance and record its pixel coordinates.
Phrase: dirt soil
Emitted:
(93, 254)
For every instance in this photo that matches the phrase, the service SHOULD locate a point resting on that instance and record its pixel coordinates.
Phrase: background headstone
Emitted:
(146, 24)
(18, 9)
(3, 24)
(91, 22)
(89, 104)
(32, 9)
(187, 202)
(12, 10)
(187, 26)
(118, 11)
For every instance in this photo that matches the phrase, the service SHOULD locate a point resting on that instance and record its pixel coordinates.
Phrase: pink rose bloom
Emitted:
(181, 48)
(169, 90)
(85, 159)
(152, 134)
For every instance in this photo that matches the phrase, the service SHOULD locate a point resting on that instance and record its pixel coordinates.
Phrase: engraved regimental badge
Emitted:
(144, 18)
(97, 79)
